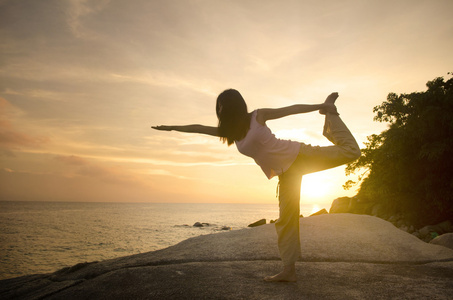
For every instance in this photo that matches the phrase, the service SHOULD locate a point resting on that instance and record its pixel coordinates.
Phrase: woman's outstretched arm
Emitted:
(266, 114)
(196, 128)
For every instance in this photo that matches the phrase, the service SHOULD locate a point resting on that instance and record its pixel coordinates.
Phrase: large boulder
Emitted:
(340, 205)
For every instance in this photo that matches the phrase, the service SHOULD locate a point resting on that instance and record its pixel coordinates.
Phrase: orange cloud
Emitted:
(72, 160)
(107, 174)
(11, 138)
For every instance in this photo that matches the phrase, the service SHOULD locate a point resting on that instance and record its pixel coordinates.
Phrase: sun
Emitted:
(315, 186)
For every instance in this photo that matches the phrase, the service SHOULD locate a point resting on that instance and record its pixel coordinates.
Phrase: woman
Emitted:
(286, 159)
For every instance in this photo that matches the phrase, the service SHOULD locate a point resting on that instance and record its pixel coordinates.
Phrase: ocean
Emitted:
(42, 237)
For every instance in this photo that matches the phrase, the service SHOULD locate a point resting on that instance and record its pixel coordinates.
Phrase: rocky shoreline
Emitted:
(344, 256)
(427, 233)
(439, 234)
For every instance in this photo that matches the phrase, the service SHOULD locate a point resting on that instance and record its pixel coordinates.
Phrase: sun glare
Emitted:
(315, 186)
(315, 208)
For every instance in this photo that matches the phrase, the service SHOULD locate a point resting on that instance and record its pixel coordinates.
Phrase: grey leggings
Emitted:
(310, 159)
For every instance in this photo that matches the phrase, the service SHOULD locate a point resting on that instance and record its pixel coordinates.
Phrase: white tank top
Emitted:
(273, 155)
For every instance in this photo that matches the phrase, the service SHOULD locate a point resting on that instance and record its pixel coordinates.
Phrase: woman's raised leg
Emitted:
(345, 149)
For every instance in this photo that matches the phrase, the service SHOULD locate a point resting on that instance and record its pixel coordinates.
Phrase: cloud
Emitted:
(78, 10)
(12, 139)
(37, 93)
(72, 160)
(105, 173)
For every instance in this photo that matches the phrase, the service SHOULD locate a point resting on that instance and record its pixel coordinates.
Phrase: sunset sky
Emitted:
(82, 82)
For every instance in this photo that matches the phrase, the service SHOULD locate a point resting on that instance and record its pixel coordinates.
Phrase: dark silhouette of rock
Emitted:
(340, 205)
(258, 223)
(198, 224)
(321, 212)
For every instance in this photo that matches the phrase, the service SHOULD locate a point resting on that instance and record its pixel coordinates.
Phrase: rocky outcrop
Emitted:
(348, 253)
(340, 205)
(352, 255)
(258, 223)
(445, 240)
(198, 224)
(430, 232)
(320, 212)
(356, 205)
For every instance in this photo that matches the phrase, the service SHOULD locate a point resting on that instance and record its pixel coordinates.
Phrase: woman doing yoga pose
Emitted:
(286, 159)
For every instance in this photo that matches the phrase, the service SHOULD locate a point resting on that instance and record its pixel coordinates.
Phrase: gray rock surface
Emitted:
(344, 256)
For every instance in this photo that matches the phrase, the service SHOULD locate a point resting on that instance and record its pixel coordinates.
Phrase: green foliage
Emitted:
(410, 165)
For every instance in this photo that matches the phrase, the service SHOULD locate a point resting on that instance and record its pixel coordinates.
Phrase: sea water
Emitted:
(42, 237)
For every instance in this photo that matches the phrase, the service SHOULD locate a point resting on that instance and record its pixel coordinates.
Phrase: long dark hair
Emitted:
(234, 119)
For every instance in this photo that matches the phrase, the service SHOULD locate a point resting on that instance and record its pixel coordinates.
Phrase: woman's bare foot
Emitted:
(287, 275)
(330, 107)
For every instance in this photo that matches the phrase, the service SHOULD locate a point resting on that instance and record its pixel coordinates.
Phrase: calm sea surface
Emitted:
(42, 237)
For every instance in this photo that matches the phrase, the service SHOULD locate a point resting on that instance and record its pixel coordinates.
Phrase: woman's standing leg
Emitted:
(311, 159)
(287, 225)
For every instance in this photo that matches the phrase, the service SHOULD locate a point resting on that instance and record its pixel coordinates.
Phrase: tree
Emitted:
(410, 165)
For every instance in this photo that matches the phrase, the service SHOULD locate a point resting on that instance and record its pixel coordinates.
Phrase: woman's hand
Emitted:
(327, 107)
(163, 127)
(195, 128)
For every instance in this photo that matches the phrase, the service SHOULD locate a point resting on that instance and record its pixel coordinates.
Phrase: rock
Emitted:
(375, 210)
(225, 228)
(426, 231)
(378, 210)
(321, 212)
(340, 205)
(400, 223)
(357, 254)
(445, 240)
(199, 224)
(392, 219)
(416, 234)
(411, 229)
(363, 206)
(430, 232)
(444, 227)
(404, 228)
(258, 223)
